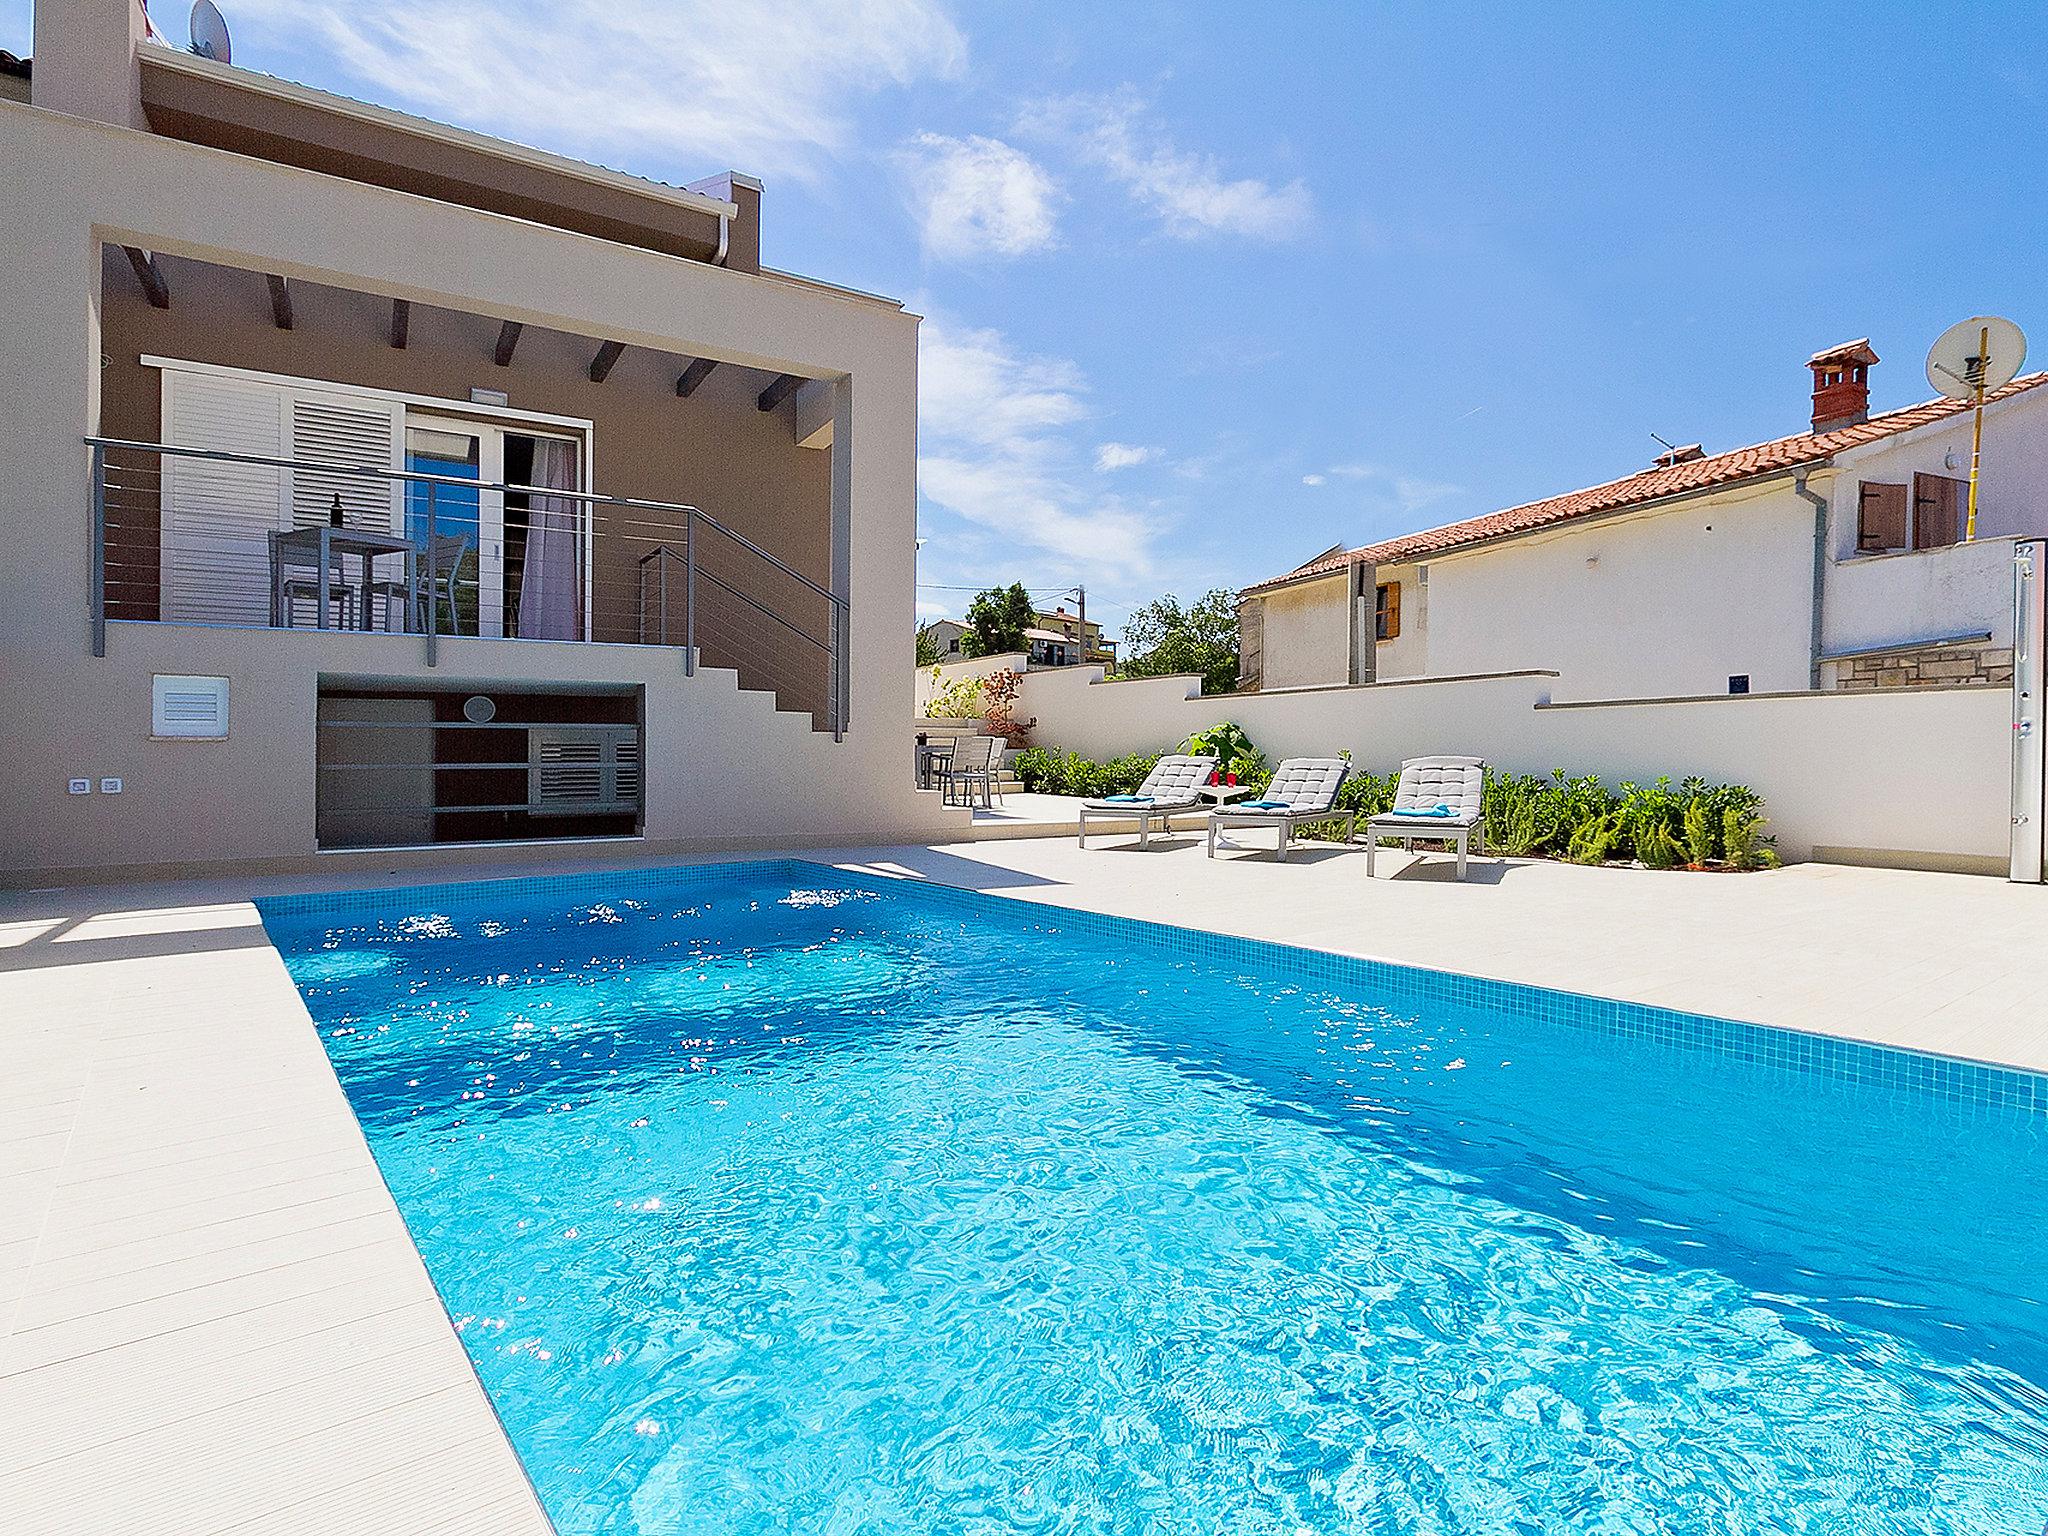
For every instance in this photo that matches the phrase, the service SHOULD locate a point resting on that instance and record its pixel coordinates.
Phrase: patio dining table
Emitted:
(323, 548)
(933, 759)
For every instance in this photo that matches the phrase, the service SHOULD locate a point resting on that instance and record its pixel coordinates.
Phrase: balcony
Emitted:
(212, 537)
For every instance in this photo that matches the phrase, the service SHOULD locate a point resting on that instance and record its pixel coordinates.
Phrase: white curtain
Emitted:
(551, 581)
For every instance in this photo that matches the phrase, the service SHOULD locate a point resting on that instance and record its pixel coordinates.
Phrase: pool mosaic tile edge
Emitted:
(1977, 1085)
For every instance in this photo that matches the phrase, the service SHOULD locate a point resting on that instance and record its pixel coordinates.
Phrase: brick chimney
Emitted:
(1841, 385)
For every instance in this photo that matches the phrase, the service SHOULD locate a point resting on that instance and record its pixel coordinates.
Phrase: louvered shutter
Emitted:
(355, 433)
(584, 770)
(1938, 502)
(216, 518)
(1880, 517)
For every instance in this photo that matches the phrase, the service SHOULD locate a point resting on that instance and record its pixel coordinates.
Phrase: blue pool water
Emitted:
(771, 1200)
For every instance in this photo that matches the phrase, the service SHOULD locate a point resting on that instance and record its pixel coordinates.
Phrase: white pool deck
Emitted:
(212, 1319)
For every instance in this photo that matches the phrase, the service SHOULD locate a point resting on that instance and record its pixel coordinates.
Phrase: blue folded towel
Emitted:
(1262, 805)
(1132, 799)
(1439, 809)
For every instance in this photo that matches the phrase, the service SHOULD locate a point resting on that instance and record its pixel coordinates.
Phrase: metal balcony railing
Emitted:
(201, 536)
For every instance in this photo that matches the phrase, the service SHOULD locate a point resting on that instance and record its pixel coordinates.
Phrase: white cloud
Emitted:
(1311, 479)
(692, 86)
(976, 195)
(1114, 456)
(994, 450)
(1189, 192)
(1406, 493)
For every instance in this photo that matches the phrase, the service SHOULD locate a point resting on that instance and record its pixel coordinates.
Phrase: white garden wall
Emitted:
(1909, 777)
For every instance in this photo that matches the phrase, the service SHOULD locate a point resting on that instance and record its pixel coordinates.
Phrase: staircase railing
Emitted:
(209, 537)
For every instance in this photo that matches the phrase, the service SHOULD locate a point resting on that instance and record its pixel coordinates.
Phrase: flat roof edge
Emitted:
(234, 77)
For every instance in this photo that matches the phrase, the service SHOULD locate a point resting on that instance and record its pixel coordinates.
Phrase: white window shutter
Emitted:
(351, 434)
(216, 518)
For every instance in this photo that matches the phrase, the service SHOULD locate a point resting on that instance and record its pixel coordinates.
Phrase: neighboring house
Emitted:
(1057, 639)
(601, 556)
(946, 634)
(1830, 559)
(1063, 639)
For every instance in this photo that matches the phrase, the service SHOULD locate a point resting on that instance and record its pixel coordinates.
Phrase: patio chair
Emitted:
(1304, 789)
(1437, 797)
(1169, 789)
(424, 594)
(977, 761)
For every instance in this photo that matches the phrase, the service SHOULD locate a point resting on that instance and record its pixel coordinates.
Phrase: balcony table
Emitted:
(320, 547)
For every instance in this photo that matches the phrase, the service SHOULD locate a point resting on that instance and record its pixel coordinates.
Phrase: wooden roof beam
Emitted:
(601, 365)
(508, 342)
(280, 301)
(150, 275)
(401, 322)
(693, 376)
(785, 385)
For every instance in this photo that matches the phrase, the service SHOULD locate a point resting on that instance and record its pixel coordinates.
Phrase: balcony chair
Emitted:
(449, 551)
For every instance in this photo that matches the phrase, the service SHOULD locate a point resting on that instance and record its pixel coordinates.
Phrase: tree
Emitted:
(928, 652)
(996, 621)
(1164, 638)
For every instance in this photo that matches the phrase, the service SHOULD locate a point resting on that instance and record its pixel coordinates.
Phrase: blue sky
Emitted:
(1211, 288)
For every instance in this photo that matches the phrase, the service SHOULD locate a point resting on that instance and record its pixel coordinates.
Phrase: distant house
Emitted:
(1834, 558)
(1063, 639)
(946, 635)
(1055, 639)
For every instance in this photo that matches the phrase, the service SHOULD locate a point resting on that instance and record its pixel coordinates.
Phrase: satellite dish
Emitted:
(1980, 353)
(210, 33)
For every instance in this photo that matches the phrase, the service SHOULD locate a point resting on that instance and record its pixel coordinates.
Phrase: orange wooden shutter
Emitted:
(1880, 517)
(1389, 625)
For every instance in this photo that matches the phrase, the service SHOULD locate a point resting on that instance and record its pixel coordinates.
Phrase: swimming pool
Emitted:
(768, 1198)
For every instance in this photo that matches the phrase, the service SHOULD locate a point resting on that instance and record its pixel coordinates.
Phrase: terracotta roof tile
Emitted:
(1711, 473)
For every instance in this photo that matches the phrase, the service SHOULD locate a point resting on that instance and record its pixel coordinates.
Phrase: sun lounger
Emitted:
(1437, 798)
(1304, 789)
(1168, 790)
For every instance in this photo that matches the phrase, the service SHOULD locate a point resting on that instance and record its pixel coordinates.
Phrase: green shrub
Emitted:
(1594, 841)
(1049, 771)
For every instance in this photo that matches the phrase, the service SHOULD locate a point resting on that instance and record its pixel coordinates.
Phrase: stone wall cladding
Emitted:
(1935, 666)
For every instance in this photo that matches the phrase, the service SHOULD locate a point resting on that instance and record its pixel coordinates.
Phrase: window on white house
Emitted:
(1386, 611)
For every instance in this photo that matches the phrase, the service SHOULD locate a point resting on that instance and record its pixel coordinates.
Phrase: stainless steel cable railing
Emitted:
(210, 537)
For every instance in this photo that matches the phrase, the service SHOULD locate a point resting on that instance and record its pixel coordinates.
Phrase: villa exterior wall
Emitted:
(714, 450)
(1917, 778)
(1674, 601)
(715, 779)
(1307, 634)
